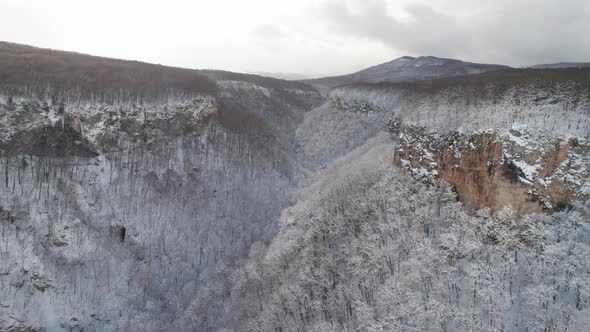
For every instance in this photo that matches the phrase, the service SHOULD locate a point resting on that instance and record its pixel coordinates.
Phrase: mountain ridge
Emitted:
(407, 68)
(561, 65)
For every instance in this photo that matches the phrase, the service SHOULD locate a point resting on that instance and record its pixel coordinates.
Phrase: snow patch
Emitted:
(244, 86)
(530, 171)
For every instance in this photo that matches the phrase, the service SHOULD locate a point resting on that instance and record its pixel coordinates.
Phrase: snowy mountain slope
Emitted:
(478, 132)
(118, 203)
(232, 202)
(555, 103)
(367, 247)
(407, 69)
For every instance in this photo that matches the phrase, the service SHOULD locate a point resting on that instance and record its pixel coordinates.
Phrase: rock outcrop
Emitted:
(491, 170)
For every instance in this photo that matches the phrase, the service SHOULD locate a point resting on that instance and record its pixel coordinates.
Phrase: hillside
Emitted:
(406, 69)
(127, 185)
(470, 129)
(27, 70)
(562, 65)
(458, 204)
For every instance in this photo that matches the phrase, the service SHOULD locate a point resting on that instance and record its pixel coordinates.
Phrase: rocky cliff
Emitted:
(516, 138)
(491, 171)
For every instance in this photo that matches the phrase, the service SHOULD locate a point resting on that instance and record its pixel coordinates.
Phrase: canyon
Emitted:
(145, 197)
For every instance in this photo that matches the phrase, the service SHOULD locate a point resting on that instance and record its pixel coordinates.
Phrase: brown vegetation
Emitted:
(500, 80)
(26, 70)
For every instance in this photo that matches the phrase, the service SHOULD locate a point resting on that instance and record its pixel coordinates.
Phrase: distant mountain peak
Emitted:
(561, 65)
(407, 68)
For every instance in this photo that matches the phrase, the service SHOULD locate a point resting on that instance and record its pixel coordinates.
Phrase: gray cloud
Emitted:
(268, 31)
(513, 32)
(314, 37)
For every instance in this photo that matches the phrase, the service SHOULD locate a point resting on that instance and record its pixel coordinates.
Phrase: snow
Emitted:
(100, 113)
(530, 171)
(244, 86)
(519, 127)
(59, 255)
(193, 205)
(449, 111)
(300, 92)
(517, 140)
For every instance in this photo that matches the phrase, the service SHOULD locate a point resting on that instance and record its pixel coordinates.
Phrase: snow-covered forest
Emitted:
(367, 248)
(183, 200)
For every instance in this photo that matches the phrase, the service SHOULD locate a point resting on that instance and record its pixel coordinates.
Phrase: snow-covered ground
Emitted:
(250, 211)
(554, 109)
(127, 236)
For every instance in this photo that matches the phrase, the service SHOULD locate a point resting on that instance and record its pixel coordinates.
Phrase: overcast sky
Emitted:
(312, 37)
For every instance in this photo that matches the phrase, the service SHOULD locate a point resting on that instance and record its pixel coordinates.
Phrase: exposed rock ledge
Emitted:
(494, 170)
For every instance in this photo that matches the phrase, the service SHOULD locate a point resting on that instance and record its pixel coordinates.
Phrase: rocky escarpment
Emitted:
(491, 170)
(516, 138)
(42, 127)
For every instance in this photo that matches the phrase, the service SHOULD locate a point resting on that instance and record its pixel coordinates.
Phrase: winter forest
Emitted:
(139, 197)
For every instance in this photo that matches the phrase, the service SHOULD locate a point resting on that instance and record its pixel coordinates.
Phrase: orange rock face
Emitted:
(478, 169)
(480, 178)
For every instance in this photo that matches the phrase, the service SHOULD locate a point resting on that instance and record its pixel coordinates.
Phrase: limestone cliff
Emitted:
(492, 170)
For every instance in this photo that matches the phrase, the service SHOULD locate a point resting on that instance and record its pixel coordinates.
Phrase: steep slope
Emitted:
(526, 129)
(377, 241)
(27, 70)
(126, 185)
(367, 248)
(407, 69)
